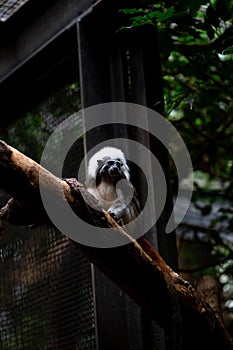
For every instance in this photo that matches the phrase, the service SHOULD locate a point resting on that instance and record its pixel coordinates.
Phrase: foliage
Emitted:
(196, 46)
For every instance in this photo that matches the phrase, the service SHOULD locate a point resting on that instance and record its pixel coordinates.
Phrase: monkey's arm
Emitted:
(127, 207)
(124, 214)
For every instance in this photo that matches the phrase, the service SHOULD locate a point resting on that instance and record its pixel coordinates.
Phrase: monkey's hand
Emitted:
(116, 217)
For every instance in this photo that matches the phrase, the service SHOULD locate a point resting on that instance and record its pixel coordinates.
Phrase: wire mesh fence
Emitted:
(9, 7)
(46, 290)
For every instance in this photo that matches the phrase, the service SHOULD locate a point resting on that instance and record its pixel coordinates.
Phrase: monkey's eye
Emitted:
(114, 163)
(120, 162)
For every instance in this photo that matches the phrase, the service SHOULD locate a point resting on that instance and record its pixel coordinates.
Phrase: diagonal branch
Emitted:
(137, 267)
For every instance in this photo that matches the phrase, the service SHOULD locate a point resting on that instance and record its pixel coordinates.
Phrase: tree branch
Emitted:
(137, 267)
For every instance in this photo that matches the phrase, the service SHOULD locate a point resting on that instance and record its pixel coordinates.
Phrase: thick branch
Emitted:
(136, 267)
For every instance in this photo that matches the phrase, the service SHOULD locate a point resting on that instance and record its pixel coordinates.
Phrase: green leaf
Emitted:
(141, 23)
(139, 18)
(132, 11)
(162, 16)
(198, 121)
(228, 51)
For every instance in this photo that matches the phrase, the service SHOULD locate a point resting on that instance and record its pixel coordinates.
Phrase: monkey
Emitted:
(108, 180)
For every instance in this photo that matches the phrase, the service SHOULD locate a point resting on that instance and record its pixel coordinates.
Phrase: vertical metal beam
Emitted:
(102, 80)
(101, 75)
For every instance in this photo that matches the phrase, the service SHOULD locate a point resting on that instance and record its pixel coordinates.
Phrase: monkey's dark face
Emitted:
(111, 170)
